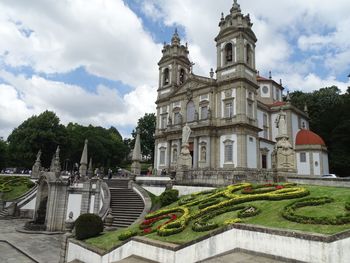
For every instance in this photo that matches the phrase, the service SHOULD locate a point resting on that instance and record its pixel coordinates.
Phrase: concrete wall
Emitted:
(285, 244)
(74, 205)
(303, 168)
(337, 182)
(183, 190)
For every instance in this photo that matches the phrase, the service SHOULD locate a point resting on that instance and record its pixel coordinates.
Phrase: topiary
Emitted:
(169, 196)
(88, 225)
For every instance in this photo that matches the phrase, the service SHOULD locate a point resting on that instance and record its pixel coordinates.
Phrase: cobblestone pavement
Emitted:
(42, 248)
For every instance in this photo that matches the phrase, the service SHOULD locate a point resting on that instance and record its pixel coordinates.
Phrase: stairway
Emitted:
(126, 205)
(3, 213)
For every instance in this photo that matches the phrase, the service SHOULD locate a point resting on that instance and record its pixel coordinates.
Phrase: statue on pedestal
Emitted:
(283, 156)
(185, 158)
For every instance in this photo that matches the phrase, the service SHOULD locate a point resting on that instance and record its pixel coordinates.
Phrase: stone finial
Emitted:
(175, 40)
(69, 223)
(84, 160)
(281, 82)
(306, 110)
(211, 73)
(90, 171)
(37, 166)
(288, 99)
(270, 75)
(236, 8)
(136, 154)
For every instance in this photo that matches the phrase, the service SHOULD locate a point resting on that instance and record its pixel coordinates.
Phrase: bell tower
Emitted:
(174, 66)
(235, 46)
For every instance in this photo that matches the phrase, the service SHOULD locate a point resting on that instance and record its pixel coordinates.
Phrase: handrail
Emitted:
(106, 200)
(146, 199)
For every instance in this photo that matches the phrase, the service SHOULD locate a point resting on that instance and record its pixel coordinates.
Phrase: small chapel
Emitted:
(238, 119)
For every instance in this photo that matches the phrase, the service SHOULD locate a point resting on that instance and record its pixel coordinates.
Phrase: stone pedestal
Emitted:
(136, 167)
(184, 162)
(283, 156)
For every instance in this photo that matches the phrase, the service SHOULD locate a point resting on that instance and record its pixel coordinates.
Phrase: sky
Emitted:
(95, 61)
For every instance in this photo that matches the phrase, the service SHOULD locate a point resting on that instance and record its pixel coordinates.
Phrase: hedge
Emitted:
(88, 225)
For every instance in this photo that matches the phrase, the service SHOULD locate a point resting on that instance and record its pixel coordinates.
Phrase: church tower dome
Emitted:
(236, 46)
(174, 66)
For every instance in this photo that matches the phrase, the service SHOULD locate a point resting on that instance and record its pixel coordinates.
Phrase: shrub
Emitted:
(88, 225)
(127, 234)
(169, 196)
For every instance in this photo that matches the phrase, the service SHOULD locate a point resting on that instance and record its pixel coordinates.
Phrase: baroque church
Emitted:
(232, 117)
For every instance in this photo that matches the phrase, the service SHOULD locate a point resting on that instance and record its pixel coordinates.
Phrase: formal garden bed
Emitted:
(313, 209)
(13, 187)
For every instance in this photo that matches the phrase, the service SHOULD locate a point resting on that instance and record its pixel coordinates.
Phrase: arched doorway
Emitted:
(41, 203)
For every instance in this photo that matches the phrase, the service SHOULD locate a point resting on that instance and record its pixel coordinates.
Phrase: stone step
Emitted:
(127, 207)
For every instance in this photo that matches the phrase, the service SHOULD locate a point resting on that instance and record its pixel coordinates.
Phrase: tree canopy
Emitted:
(44, 132)
(146, 125)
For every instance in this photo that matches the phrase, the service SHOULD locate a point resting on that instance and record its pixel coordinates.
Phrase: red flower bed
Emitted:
(279, 187)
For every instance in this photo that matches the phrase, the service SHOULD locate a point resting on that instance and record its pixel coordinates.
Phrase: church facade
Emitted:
(232, 117)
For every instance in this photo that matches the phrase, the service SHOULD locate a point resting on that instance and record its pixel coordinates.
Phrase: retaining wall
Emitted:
(292, 245)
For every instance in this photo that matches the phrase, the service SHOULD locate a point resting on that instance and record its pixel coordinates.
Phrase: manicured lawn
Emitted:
(14, 186)
(270, 216)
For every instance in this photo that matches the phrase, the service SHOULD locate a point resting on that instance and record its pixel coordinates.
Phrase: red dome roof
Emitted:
(306, 137)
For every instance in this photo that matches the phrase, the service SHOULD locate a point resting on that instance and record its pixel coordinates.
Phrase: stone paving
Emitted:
(42, 248)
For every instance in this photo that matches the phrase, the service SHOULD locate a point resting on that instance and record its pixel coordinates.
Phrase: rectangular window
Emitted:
(264, 161)
(228, 109)
(163, 121)
(229, 152)
(303, 157)
(204, 112)
(162, 157)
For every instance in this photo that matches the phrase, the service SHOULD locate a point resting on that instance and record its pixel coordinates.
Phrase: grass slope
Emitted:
(21, 186)
(270, 216)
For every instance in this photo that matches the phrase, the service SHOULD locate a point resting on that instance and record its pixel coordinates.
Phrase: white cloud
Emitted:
(107, 38)
(291, 34)
(24, 97)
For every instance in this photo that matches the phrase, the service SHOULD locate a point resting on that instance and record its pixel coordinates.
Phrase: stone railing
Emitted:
(337, 182)
(105, 197)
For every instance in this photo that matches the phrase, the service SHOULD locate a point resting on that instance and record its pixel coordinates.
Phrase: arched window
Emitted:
(166, 77)
(190, 111)
(228, 53)
(182, 76)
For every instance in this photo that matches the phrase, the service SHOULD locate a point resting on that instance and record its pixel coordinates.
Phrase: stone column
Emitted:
(168, 159)
(208, 161)
(195, 152)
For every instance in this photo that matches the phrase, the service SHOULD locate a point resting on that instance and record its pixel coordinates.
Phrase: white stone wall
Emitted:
(74, 205)
(303, 168)
(325, 163)
(252, 161)
(274, 129)
(183, 190)
(295, 126)
(260, 118)
(287, 247)
(30, 204)
(316, 163)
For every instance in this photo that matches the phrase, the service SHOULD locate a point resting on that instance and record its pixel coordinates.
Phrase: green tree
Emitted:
(3, 154)
(106, 146)
(38, 132)
(146, 126)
